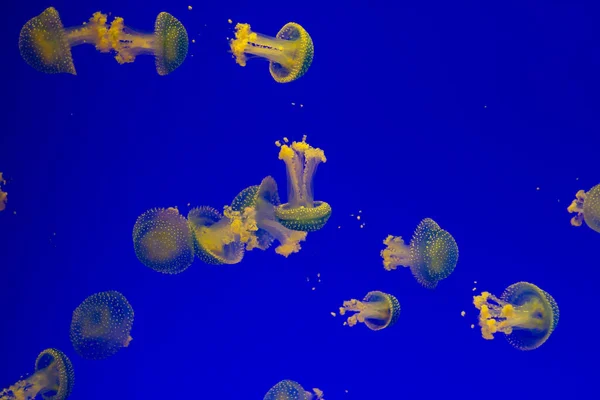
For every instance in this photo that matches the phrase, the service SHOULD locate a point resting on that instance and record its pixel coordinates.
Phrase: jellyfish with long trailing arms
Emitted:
(101, 325)
(290, 52)
(45, 44)
(586, 206)
(163, 240)
(291, 390)
(431, 255)
(301, 212)
(53, 379)
(526, 314)
(377, 310)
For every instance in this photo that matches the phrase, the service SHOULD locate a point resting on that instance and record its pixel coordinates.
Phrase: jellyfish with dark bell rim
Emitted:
(290, 390)
(587, 208)
(526, 314)
(53, 379)
(377, 311)
(163, 240)
(45, 44)
(101, 325)
(290, 52)
(431, 256)
(301, 212)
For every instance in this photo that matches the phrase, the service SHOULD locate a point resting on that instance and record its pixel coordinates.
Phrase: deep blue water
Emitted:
(458, 111)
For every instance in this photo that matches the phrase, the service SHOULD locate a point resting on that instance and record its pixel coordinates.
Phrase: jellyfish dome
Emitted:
(101, 325)
(377, 311)
(290, 390)
(526, 314)
(586, 206)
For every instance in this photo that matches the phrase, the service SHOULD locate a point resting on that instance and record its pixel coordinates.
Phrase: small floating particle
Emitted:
(474, 289)
(193, 40)
(333, 314)
(230, 21)
(472, 326)
(462, 313)
(190, 8)
(314, 288)
(475, 282)
(293, 104)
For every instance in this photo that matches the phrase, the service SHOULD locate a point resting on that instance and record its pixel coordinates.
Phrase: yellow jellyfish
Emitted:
(290, 53)
(101, 325)
(46, 45)
(163, 241)
(377, 311)
(290, 390)
(302, 212)
(526, 314)
(3, 195)
(587, 208)
(53, 379)
(432, 254)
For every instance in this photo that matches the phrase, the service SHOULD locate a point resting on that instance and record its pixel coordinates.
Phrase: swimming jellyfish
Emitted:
(53, 379)
(3, 195)
(526, 314)
(587, 207)
(377, 311)
(302, 212)
(431, 255)
(46, 45)
(290, 53)
(290, 390)
(163, 240)
(101, 325)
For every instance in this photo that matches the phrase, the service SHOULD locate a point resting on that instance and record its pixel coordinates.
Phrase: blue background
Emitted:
(456, 111)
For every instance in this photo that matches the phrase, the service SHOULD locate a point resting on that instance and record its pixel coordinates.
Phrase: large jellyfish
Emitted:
(587, 208)
(431, 255)
(377, 311)
(290, 53)
(46, 45)
(53, 379)
(526, 314)
(163, 240)
(302, 212)
(3, 195)
(290, 390)
(101, 325)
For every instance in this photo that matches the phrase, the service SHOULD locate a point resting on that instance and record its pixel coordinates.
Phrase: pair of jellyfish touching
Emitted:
(291, 390)
(45, 44)
(431, 255)
(586, 206)
(377, 311)
(53, 379)
(167, 242)
(524, 313)
(3, 195)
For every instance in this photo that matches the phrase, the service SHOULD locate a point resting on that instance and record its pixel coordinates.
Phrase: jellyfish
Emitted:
(377, 311)
(526, 314)
(302, 212)
(431, 255)
(163, 240)
(247, 199)
(290, 390)
(587, 208)
(3, 195)
(101, 325)
(290, 53)
(53, 379)
(46, 45)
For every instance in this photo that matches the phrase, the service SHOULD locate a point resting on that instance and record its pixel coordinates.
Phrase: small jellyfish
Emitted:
(431, 255)
(216, 239)
(46, 45)
(377, 311)
(53, 379)
(163, 240)
(290, 390)
(101, 325)
(290, 53)
(3, 195)
(526, 314)
(302, 212)
(587, 208)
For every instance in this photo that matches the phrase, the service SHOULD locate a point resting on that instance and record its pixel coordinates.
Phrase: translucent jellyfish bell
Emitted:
(163, 240)
(587, 208)
(46, 45)
(290, 390)
(290, 53)
(526, 314)
(377, 311)
(302, 212)
(101, 325)
(53, 379)
(431, 256)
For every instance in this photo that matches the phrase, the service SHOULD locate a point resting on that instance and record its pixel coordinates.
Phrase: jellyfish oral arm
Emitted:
(45, 379)
(577, 207)
(396, 253)
(301, 163)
